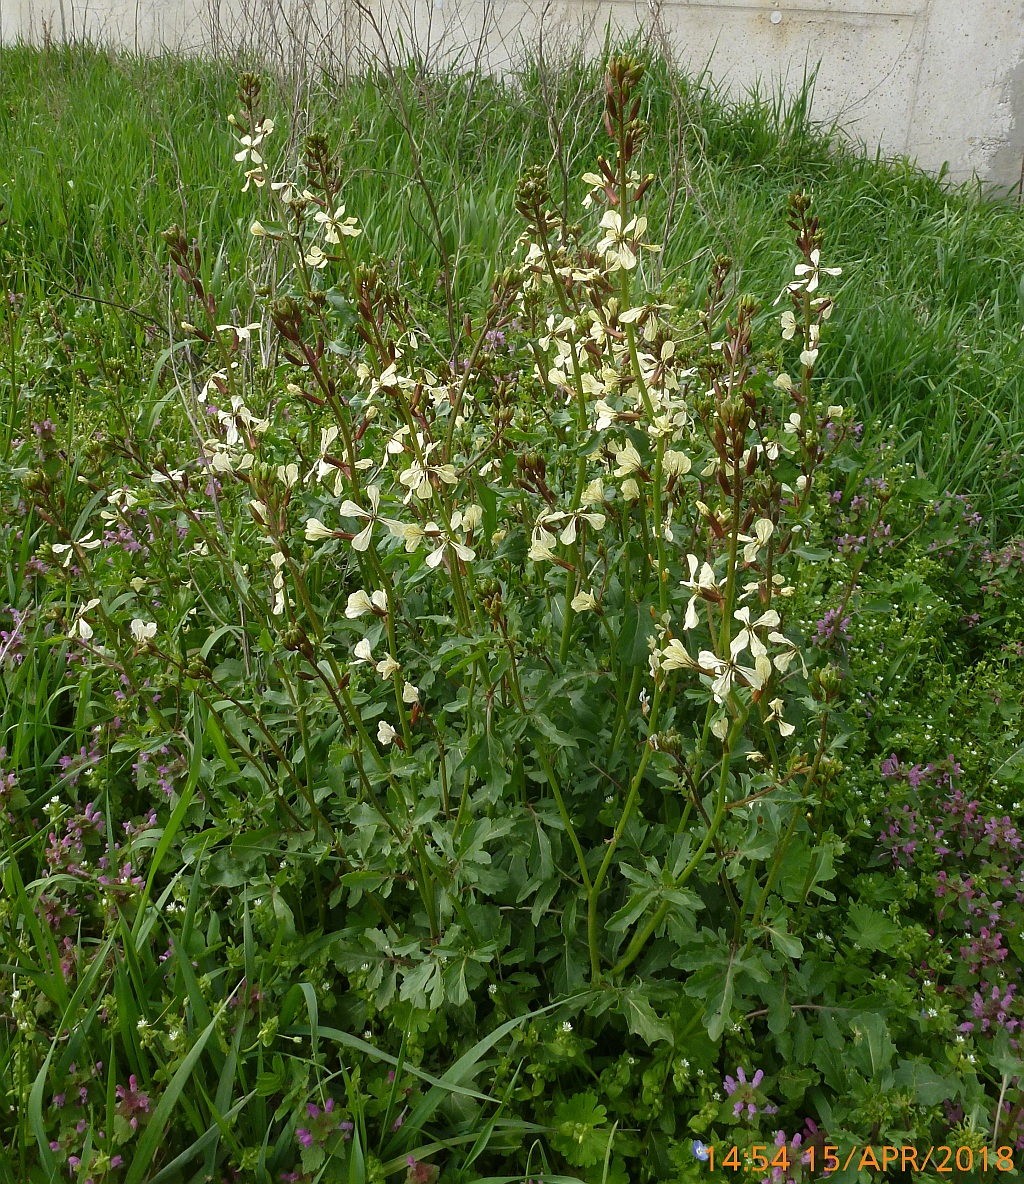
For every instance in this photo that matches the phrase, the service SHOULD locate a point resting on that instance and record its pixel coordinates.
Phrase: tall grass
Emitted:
(105, 151)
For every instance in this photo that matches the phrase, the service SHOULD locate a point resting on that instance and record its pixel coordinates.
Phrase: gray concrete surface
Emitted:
(940, 81)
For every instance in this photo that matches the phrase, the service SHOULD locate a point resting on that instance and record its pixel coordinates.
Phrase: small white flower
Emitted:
(540, 546)
(606, 415)
(173, 475)
(764, 528)
(726, 673)
(747, 637)
(776, 715)
(349, 509)
(337, 225)
(81, 628)
(445, 540)
(675, 464)
(359, 604)
(410, 533)
(788, 325)
(243, 332)
(315, 531)
(584, 602)
(143, 631)
(593, 495)
(618, 241)
(788, 653)
(809, 273)
(675, 657)
(469, 518)
(628, 460)
(387, 666)
(386, 734)
(410, 693)
(363, 650)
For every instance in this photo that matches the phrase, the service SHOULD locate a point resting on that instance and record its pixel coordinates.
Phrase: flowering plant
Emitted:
(488, 672)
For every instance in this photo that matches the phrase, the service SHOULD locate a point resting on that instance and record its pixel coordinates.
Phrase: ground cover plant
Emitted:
(495, 684)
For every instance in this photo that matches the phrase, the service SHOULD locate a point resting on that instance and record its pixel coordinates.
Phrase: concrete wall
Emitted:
(941, 81)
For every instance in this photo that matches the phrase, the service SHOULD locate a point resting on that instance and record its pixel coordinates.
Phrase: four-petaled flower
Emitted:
(80, 627)
(86, 543)
(337, 226)
(808, 273)
(788, 325)
(584, 602)
(445, 540)
(703, 585)
(725, 672)
(252, 142)
(775, 715)
(416, 478)
(764, 528)
(619, 241)
(675, 657)
(628, 460)
(143, 631)
(747, 637)
(359, 604)
(568, 534)
(349, 509)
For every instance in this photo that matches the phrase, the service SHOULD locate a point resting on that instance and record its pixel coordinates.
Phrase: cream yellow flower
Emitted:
(143, 631)
(349, 509)
(775, 715)
(387, 666)
(584, 602)
(747, 637)
(359, 604)
(315, 531)
(337, 226)
(808, 273)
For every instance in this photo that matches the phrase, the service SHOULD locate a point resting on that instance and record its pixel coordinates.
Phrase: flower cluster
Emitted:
(973, 858)
(748, 1097)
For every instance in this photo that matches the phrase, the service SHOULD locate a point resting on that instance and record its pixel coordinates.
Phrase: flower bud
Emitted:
(826, 683)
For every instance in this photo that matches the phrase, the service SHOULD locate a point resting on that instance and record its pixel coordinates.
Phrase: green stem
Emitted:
(549, 774)
(594, 891)
(641, 938)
